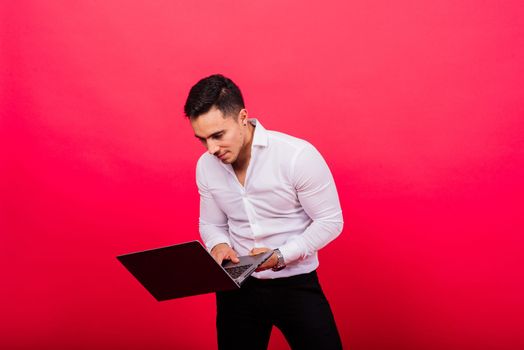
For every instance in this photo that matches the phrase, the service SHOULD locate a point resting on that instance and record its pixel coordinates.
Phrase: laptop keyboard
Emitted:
(236, 271)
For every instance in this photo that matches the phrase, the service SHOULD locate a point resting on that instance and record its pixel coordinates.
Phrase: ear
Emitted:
(242, 116)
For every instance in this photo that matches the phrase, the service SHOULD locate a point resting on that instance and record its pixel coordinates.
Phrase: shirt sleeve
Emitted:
(318, 196)
(212, 222)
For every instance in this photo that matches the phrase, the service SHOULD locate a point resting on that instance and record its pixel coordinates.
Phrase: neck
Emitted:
(245, 153)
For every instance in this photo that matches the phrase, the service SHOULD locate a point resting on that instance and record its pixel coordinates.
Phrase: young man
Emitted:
(263, 190)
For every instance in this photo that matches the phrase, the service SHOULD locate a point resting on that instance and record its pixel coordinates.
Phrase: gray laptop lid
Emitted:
(183, 270)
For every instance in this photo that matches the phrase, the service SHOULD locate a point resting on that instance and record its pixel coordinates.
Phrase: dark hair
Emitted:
(215, 90)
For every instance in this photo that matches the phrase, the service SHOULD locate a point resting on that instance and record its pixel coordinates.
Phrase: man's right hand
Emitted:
(223, 251)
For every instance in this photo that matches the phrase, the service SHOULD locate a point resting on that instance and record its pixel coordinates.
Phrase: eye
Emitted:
(218, 136)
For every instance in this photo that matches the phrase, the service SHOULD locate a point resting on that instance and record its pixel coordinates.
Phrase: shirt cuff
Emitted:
(291, 251)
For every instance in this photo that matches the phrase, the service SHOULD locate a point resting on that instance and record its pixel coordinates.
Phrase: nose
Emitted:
(212, 147)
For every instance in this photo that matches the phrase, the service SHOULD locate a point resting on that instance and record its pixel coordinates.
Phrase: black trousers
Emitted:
(296, 305)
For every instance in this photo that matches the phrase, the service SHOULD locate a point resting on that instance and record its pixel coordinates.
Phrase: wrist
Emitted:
(280, 264)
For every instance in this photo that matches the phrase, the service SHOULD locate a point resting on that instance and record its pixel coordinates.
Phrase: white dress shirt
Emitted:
(289, 201)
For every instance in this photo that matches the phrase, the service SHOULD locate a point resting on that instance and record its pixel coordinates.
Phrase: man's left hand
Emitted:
(269, 263)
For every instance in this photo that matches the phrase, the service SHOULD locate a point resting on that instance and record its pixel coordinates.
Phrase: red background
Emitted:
(416, 105)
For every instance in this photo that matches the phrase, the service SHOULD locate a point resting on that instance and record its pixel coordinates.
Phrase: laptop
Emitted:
(188, 269)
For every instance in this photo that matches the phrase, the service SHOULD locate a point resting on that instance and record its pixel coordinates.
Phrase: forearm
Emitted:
(213, 234)
(318, 234)
(318, 196)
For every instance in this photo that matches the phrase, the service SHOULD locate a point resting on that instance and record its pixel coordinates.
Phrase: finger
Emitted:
(262, 267)
(268, 264)
(221, 256)
(256, 251)
(233, 256)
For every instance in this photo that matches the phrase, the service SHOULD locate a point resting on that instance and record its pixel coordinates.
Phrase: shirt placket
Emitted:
(246, 200)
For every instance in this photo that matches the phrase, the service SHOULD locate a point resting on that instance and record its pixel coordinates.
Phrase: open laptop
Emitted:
(187, 269)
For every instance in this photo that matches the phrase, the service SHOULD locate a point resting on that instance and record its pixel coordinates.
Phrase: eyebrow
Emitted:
(213, 134)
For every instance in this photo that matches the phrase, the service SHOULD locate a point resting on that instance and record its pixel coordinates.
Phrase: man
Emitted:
(263, 190)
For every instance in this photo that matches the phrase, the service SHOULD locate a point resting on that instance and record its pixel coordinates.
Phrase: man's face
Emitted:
(222, 136)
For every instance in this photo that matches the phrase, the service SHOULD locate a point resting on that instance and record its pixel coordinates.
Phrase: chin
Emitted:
(229, 160)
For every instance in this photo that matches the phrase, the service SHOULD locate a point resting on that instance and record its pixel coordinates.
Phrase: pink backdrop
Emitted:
(417, 106)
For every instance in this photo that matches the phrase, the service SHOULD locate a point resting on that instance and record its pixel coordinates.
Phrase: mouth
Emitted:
(221, 156)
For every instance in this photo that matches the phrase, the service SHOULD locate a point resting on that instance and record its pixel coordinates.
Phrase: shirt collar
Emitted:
(260, 136)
